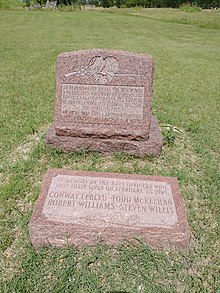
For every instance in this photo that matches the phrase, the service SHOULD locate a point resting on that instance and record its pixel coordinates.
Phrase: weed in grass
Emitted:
(193, 126)
(170, 134)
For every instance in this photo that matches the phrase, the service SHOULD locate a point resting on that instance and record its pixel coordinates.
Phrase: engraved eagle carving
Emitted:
(102, 69)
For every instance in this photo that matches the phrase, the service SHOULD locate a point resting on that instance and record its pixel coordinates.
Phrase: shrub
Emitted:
(10, 4)
(190, 8)
(68, 8)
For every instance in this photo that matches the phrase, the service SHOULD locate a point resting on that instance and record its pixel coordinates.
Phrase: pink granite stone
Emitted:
(86, 208)
(104, 94)
(151, 147)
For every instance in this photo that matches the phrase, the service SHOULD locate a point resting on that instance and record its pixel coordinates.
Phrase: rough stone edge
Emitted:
(106, 51)
(150, 147)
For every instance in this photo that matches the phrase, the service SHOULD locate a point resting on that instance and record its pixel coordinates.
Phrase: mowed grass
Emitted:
(204, 18)
(186, 96)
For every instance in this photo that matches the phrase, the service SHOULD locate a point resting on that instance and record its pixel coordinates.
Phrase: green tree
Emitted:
(105, 3)
(94, 2)
(118, 3)
(206, 4)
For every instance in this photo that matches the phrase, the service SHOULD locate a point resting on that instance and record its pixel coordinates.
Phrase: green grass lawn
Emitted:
(204, 18)
(186, 95)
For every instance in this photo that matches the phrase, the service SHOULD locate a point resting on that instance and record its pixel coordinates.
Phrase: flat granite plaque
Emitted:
(77, 207)
(104, 103)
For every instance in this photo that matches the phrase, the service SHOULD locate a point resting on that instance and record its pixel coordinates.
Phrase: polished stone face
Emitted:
(106, 104)
(82, 205)
(109, 202)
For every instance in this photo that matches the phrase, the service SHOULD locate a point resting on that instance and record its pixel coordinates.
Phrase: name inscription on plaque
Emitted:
(102, 103)
(109, 202)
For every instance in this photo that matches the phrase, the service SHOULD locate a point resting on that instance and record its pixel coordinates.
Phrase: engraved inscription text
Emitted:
(102, 104)
(110, 202)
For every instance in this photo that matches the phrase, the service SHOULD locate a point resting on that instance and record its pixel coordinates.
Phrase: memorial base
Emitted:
(64, 235)
(150, 147)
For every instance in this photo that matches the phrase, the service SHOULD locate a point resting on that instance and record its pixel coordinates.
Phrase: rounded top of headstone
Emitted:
(106, 52)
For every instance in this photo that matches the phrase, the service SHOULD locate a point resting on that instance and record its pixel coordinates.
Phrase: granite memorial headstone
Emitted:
(104, 103)
(84, 208)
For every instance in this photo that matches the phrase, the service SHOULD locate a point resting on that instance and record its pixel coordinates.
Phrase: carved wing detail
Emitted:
(103, 69)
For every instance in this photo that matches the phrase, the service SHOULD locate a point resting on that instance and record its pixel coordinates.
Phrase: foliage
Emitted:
(41, 2)
(73, 7)
(206, 4)
(95, 3)
(192, 5)
(170, 133)
(71, 4)
(105, 3)
(190, 8)
(171, 3)
(118, 3)
(10, 4)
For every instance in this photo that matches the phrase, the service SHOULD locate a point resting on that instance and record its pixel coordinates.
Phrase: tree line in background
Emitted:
(193, 4)
(205, 4)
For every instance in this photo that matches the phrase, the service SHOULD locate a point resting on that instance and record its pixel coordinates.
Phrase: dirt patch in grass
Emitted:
(23, 151)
